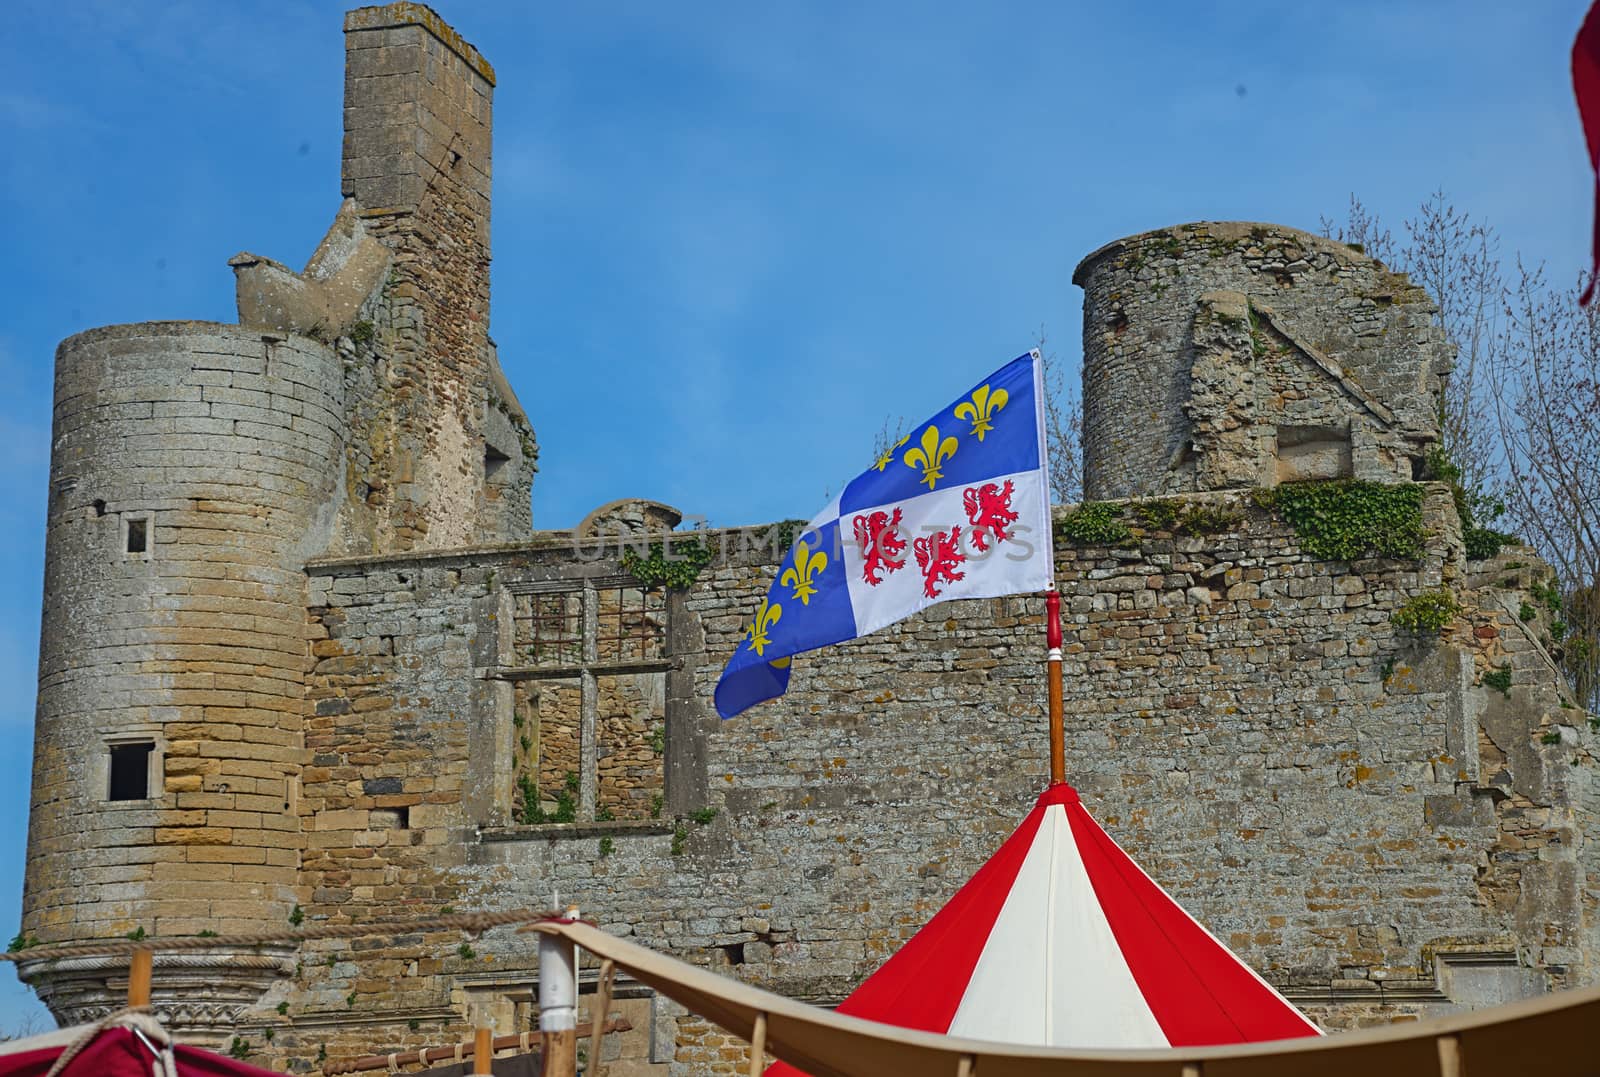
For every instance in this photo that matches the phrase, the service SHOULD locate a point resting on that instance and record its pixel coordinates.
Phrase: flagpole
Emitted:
(1058, 735)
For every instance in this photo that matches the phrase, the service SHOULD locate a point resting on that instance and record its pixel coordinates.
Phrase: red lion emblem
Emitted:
(989, 510)
(880, 541)
(937, 557)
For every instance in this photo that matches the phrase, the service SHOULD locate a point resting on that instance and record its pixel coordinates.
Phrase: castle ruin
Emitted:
(306, 659)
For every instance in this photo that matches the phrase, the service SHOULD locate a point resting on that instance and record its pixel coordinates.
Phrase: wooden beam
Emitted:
(598, 1013)
(1449, 1056)
(758, 1046)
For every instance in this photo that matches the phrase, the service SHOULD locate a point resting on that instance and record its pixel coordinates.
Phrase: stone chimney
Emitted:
(417, 104)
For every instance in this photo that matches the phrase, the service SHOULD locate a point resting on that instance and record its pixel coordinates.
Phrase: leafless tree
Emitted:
(29, 1024)
(1063, 427)
(890, 436)
(1520, 415)
(1063, 418)
(1545, 378)
(1363, 231)
(1457, 260)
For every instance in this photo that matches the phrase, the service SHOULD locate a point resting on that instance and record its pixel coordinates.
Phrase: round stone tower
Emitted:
(1229, 354)
(193, 471)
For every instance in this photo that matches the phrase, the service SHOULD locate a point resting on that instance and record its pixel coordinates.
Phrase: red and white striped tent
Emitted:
(1061, 940)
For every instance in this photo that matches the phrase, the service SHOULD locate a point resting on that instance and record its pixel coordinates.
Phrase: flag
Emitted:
(958, 508)
(1586, 86)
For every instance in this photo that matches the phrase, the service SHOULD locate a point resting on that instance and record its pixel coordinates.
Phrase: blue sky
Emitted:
(721, 227)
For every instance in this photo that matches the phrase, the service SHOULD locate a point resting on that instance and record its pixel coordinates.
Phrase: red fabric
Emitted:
(1586, 87)
(117, 1052)
(1199, 992)
(922, 984)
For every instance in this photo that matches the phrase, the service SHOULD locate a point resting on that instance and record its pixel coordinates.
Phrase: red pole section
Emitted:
(1058, 736)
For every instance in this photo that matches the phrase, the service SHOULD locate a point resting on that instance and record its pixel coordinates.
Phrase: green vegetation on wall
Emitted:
(1472, 506)
(1094, 523)
(1348, 519)
(689, 556)
(1427, 613)
(1184, 518)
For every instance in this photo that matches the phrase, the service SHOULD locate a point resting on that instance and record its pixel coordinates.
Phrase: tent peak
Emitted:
(1060, 793)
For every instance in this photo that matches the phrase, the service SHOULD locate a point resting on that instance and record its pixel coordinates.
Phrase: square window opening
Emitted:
(130, 770)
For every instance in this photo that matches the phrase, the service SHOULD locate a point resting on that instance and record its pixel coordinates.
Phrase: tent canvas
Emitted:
(1061, 940)
(117, 1051)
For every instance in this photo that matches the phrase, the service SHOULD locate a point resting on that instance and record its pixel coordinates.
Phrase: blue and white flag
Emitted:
(958, 508)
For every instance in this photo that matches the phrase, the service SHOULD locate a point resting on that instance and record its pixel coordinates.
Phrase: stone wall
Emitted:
(191, 474)
(1344, 804)
(443, 454)
(358, 407)
(1213, 351)
(299, 568)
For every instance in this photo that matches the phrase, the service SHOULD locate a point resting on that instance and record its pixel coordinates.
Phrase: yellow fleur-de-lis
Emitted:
(799, 575)
(931, 455)
(888, 453)
(981, 408)
(766, 617)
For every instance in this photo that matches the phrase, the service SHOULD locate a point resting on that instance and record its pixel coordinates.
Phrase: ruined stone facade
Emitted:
(292, 576)
(1218, 355)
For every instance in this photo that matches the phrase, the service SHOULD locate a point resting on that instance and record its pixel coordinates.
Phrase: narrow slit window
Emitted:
(130, 771)
(493, 462)
(138, 535)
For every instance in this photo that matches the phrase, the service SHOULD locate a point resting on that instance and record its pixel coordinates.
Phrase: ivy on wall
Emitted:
(1472, 506)
(1350, 518)
(1094, 523)
(1427, 613)
(689, 556)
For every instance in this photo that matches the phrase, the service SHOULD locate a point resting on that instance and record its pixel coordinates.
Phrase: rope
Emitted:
(472, 923)
(138, 1019)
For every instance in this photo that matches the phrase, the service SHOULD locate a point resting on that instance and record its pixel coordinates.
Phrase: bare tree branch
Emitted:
(1063, 419)
(1545, 379)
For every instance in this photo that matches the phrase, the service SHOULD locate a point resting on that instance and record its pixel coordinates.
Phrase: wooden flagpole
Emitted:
(1058, 735)
(139, 976)
(483, 1048)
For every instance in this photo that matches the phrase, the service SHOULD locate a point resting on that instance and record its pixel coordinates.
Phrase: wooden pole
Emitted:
(597, 1018)
(139, 973)
(483, 1049)
(758, 1046)
(1058, 736)
(454, 1052)
(558, 1004)
(1449, 1056)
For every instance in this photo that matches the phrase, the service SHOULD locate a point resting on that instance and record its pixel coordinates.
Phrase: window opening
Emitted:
(493, 461)
(630, 623)
(549, 629)
(130, 771)
(589, 713)
(138, 535)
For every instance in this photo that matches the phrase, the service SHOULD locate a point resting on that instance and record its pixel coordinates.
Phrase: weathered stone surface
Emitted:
(1221, 355)
(372, 690)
